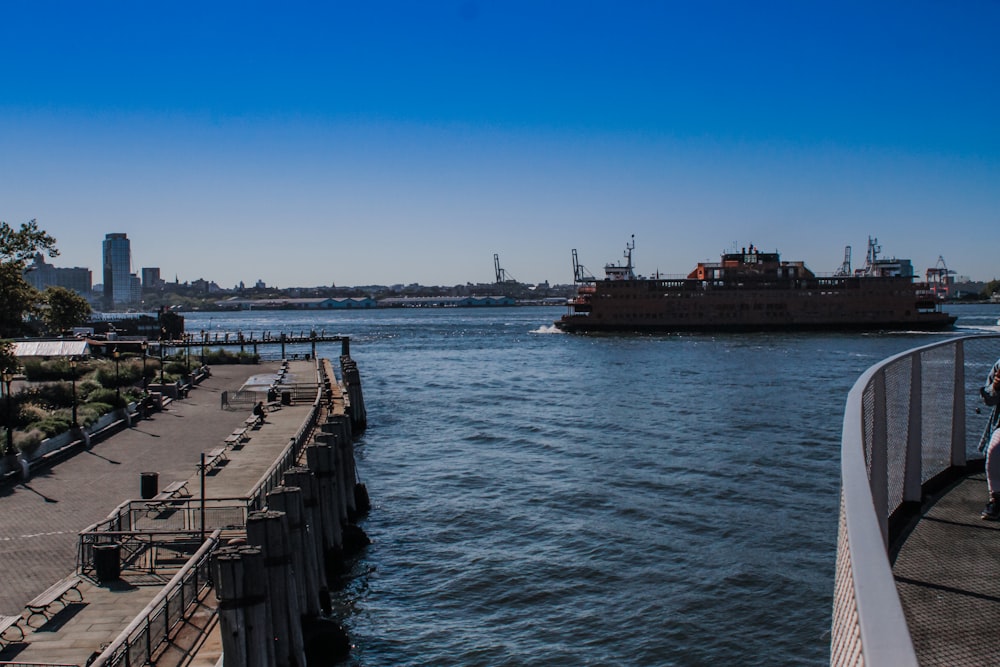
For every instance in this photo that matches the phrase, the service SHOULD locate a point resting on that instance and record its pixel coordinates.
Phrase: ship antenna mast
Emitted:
(629, 247)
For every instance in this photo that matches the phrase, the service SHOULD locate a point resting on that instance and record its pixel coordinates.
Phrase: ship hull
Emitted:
(820, 304)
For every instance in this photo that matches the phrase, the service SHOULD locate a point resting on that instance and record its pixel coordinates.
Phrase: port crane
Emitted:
(845, 268)
(939, 278)
(502, 277)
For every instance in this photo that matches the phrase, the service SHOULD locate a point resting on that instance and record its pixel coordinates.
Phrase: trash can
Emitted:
(107, 562)
(286, 398)
(149, 484)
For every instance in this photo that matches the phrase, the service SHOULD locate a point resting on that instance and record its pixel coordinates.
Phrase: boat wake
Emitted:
(550, 329)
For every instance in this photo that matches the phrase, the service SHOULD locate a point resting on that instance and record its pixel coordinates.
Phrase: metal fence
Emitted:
(137, 644)
(910, 420)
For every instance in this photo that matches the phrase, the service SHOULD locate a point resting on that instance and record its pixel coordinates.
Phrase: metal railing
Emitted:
(140, 640)
(906, 431)
(272, 478)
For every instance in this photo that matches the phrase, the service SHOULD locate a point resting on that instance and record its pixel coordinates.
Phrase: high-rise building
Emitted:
(41, 275)
(151, 278)
(117, 271)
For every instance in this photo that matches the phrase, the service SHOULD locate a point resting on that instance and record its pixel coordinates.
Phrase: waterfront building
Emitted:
(297, 304)
(40, 275)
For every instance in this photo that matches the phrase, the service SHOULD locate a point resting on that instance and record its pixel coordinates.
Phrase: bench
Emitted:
(57, 592)
(215, 458)
(237, 436)
(6, 623)
(172, 490)
(273, 405)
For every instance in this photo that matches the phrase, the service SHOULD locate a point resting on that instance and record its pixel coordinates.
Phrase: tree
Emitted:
(8, 361)
(63, 309)
(19, 298)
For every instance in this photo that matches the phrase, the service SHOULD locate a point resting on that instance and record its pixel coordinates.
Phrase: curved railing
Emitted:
(906, 433)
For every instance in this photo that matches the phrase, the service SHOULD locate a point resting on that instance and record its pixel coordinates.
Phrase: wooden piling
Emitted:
(244, 616)
(305, 481)
(322, 464)
(288, 499)
(269, 531)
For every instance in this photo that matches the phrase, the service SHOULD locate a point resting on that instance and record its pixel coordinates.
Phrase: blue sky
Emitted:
(395, 142)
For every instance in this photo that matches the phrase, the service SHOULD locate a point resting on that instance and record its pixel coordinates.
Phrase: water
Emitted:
(552, 499)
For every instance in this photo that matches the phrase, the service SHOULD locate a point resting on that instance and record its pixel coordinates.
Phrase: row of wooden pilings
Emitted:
(274, 587)
(352, 383)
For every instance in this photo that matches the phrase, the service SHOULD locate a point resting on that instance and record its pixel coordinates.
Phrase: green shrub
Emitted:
(36, 370)
(27, 442)
(91, 412)
(127, 373)
(51, 395)
(53, 424)
(107, 396)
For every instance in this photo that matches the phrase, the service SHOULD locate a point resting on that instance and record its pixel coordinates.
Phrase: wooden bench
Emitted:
(6, 623)
(57, 592)
(215, 457)
(236, 437)
(176, 489)
(273, 405)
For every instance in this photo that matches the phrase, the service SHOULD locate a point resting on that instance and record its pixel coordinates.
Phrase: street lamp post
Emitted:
(72, 372)
(118, 389)
(8, 377)
(163, 335)
(145, 382)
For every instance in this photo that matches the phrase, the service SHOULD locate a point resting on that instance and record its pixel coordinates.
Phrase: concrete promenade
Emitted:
(42, 516)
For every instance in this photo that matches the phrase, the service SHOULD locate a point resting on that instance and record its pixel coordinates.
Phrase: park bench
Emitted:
(273, 405)
(237, 436)
(6, 623)
(215, 458)
(57, 592)
(176, 489)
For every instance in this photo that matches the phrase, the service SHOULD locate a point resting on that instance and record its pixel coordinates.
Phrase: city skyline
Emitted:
(407, 143)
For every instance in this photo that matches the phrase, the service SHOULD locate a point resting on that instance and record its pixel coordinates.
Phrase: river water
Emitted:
(542, 498)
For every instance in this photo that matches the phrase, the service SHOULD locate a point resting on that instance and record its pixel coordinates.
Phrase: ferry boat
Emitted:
(751, 290)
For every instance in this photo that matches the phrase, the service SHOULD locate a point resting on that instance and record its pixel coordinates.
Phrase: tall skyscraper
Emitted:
(117, 271)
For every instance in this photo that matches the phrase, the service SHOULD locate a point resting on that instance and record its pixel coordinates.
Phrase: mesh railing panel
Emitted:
(938, 401)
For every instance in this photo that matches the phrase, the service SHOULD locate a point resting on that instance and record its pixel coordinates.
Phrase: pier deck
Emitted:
(42, 517)
(948, 577)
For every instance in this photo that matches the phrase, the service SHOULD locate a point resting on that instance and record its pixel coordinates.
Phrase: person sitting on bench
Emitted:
(258, 411)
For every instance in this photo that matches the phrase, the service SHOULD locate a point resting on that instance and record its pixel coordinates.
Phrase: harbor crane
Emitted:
(580, 272)
(502, 277)
(939, 278)
(845, 268)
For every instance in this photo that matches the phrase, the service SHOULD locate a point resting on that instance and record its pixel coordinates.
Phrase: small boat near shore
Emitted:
(751, 290)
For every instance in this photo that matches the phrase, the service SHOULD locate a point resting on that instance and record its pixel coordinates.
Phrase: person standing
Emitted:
(991, 443)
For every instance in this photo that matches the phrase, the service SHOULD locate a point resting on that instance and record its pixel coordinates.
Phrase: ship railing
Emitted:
(906, 433)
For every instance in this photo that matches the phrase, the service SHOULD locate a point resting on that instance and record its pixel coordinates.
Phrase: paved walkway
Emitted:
(948, 578)
(41, 517)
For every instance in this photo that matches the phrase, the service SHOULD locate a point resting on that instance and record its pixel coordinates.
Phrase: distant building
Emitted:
(118, 278)
(40, 275)
(151, 278)
(445, 301)
(298, 304)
